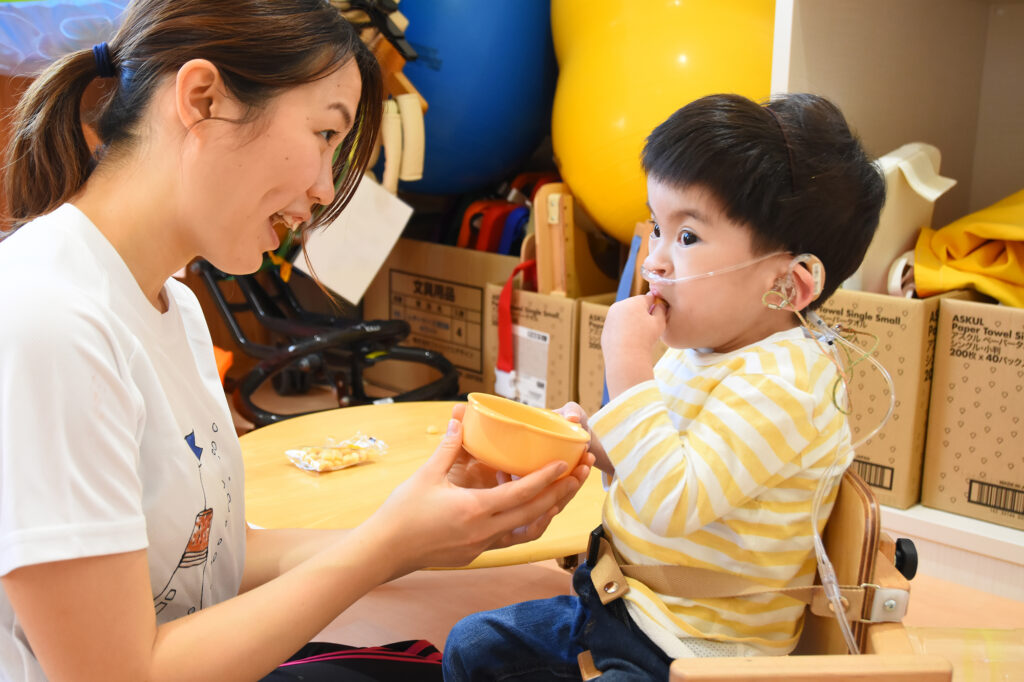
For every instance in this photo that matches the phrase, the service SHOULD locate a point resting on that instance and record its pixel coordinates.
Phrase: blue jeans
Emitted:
(539, 640)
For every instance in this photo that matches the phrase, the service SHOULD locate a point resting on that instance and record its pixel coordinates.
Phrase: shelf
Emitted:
(978, 554)
(971, 535)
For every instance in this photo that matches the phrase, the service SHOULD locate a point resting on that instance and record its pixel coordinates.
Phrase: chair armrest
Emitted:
(888, 639)
(812, 668)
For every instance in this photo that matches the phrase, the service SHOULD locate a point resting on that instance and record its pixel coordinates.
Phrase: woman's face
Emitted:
(277, 166)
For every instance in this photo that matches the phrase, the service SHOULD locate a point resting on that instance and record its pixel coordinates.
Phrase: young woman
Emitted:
(124, 552)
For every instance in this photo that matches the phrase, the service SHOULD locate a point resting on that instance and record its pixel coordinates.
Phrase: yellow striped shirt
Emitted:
(716, 463)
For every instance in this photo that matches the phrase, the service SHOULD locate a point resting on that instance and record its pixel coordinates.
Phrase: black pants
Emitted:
(409, 661)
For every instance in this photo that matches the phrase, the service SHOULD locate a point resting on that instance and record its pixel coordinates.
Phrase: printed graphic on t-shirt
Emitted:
(194, 556)
(191, 568)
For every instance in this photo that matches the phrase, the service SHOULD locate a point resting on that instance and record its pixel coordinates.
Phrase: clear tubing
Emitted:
(826, 572)
(832, 336)
(655, 278)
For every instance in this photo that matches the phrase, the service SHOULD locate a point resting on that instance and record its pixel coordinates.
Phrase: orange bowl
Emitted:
(517, 438)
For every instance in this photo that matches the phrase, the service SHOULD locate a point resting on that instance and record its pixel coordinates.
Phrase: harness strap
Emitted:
(867, 603)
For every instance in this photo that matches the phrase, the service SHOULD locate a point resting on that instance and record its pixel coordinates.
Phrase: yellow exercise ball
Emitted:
(624, 67)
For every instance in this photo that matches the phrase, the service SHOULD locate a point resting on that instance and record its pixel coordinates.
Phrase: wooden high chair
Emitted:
(862, 556)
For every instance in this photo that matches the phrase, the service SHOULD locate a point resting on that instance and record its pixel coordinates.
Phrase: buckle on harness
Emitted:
(885, 604)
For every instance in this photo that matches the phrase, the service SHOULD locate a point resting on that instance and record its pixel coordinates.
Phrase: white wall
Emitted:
(946, 72)
(999, 148)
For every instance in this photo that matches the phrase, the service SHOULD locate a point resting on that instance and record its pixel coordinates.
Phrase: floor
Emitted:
(982, 634)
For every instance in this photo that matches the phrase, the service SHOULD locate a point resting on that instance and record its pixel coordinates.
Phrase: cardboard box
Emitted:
(439, 290)
(590, 382)
(905, 328)
(545, 330)
(973, 462)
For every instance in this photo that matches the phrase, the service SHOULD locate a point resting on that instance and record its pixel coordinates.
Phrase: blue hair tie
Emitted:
(101, 53)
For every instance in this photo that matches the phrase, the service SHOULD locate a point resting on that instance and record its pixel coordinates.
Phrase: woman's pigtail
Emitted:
(47, 159)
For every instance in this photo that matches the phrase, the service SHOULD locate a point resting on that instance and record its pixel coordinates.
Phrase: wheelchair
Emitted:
(312, 348)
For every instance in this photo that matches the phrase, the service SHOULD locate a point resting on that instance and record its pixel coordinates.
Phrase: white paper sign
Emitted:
(347, 254)
(531, 350)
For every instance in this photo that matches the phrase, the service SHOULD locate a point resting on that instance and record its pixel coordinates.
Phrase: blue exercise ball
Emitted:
(488, 72)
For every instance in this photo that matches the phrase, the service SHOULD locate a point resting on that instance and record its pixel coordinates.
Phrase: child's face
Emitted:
(693, 236)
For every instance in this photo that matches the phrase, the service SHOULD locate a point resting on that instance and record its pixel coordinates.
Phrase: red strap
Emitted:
(466, 237)
(491, 225)
(544, 179)
(506, 348)
(529, 183)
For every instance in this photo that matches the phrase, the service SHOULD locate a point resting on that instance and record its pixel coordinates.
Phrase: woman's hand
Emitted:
(433, 521)
(631, 330)
(574, 412)
(469, 472)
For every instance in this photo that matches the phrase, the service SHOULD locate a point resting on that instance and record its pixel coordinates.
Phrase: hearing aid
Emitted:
(815, 266)
(785, 287)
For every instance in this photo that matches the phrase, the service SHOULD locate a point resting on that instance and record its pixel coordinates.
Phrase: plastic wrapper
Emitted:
(334, 455)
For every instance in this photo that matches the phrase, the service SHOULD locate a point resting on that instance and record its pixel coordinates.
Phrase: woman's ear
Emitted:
(199, 93)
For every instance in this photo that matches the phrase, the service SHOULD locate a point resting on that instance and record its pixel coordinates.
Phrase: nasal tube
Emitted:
(655, 278)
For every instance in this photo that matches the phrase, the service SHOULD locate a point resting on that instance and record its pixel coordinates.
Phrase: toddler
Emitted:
(713, 455)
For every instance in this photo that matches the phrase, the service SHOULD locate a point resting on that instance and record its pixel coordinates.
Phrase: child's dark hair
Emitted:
(261, 48)
(790, 170)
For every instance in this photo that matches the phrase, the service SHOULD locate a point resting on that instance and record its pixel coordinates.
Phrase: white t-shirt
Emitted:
(115, 434)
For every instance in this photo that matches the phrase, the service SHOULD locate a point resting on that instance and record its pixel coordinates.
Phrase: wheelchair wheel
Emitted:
(291, 381)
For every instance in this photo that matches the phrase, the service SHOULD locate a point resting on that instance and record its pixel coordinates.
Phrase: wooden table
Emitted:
(280, 495)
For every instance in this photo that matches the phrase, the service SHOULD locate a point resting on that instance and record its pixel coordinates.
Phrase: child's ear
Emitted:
(799, 286)
(805, 289)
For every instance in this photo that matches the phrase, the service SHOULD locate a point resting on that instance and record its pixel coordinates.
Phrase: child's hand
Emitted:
(634, 325)
(575, 413)
(631, 330)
